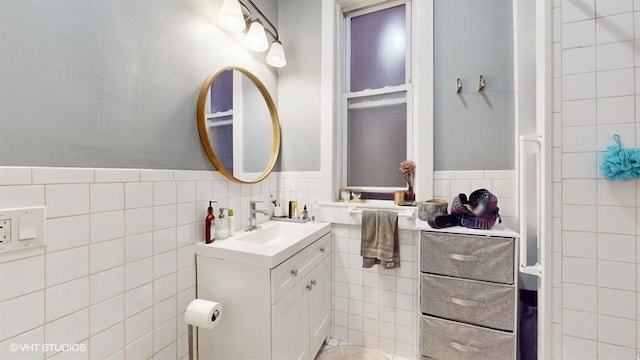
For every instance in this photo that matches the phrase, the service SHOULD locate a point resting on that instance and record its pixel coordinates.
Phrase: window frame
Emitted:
(347, 95)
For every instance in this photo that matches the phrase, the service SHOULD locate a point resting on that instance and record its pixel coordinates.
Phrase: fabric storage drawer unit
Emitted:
(468, 296)
(474, 302)
(443, 339)
(468, 256)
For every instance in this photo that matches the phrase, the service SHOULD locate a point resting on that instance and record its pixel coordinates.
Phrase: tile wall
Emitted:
(119, 266)
(596, 52)
(375, 307)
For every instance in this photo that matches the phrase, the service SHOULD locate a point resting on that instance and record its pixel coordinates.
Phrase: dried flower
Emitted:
(408, 168)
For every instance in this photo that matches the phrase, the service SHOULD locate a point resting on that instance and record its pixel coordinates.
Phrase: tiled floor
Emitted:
(367, 353)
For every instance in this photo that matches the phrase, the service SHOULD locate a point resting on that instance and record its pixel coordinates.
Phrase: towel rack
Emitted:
(409, 213)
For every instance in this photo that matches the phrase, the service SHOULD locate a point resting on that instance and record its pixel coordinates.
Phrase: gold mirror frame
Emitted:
(204, 136)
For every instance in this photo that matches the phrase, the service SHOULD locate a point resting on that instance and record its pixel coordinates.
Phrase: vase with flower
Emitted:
(408, 169)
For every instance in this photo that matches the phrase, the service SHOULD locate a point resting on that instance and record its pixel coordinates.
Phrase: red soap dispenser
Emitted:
(209, 226)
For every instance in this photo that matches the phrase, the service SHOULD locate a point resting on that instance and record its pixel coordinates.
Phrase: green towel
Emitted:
(379, 239)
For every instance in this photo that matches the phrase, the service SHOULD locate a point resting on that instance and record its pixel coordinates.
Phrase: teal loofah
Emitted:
(621, 164)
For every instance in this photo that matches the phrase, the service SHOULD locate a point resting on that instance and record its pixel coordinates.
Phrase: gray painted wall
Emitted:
(299, 84)
(474, 131)
(114, 83)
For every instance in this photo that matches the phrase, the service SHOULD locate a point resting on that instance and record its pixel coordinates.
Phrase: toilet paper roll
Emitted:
(203, 313)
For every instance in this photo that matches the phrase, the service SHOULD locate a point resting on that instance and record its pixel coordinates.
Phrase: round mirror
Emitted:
(238, 125)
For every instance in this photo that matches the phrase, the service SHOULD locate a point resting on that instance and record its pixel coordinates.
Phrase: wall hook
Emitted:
(458, 86)
(481, 83)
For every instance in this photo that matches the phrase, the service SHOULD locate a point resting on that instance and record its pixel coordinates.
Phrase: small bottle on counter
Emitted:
(232, 222)
(222, 225)
(293, 205)
(209, 225)
(305, 213)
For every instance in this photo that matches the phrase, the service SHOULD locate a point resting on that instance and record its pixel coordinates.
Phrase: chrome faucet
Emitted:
(252, 215)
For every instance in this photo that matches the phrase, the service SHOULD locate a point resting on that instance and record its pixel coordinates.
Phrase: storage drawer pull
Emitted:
(294, 272)
(461, 257)
(465, 348)
(322, 250)
(466, 303)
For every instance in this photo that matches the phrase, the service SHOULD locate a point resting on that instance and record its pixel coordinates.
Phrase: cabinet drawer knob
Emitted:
(313, 282)
(322, 249)
(309, 287)
(294, 272)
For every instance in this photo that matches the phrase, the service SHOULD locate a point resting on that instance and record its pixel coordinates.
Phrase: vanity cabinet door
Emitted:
(290, 324)
(320, 305)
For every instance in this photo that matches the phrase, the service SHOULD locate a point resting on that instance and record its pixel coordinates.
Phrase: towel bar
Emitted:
(409, 213)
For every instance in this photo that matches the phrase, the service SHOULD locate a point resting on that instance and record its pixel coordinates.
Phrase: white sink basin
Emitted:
(268, 246)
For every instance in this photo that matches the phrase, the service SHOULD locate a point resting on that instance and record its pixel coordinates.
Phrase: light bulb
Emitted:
(231, 17)
(275, 56)
(256, 39)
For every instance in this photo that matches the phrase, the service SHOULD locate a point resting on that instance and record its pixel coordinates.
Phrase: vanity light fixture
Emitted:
(235, 15)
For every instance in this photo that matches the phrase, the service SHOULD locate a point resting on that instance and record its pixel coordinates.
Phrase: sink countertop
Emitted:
(248, 247)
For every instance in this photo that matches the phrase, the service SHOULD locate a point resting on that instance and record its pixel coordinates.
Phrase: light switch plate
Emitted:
(24, 229)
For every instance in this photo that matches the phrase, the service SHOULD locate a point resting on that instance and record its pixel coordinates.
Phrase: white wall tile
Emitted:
(164, 311)
(579, 165)
(614, 28)
(576, 10)
(579, 271)
(138, 221)
(608, 351)
(617, 275)
(578, 349)
(164, 335)
(66, 265)
(15, 175)
(580, 324)
(66, 200)
(164, 288)
(106, 314)
(579, 60)
(21, 277)
(67, 232)
(579, 112)
(107, 284)
(617, 55)
(617, 247)
(156, 175)
(579, 218)
(579, 244)
(576, 34)
(137, 247)
(138, 273)
(139, 325)
(164, 240)
(616, 193)
(164, 217)
(57, 175)
(70, 329)
(164, 193)
(579, 139)
(138, 195)
(164, 264)
(106, 255)
(138, 299)
(617, 220)
(581, 86)
(107, 342)
(35, 336)
(116, 175)
(106, 197)
(579, 192)
(617, 303)
(617, 331)
(616, 110)
(66, 298)
(21, 314)
(616, 82)
(107, 226)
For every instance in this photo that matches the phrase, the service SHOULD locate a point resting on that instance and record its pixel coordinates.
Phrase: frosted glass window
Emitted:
(376, 140)
(378, 49)
(222, 92)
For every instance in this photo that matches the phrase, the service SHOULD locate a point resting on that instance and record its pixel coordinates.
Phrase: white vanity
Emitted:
(274, 285)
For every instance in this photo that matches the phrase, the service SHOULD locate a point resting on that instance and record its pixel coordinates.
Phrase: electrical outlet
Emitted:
(5, 231)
